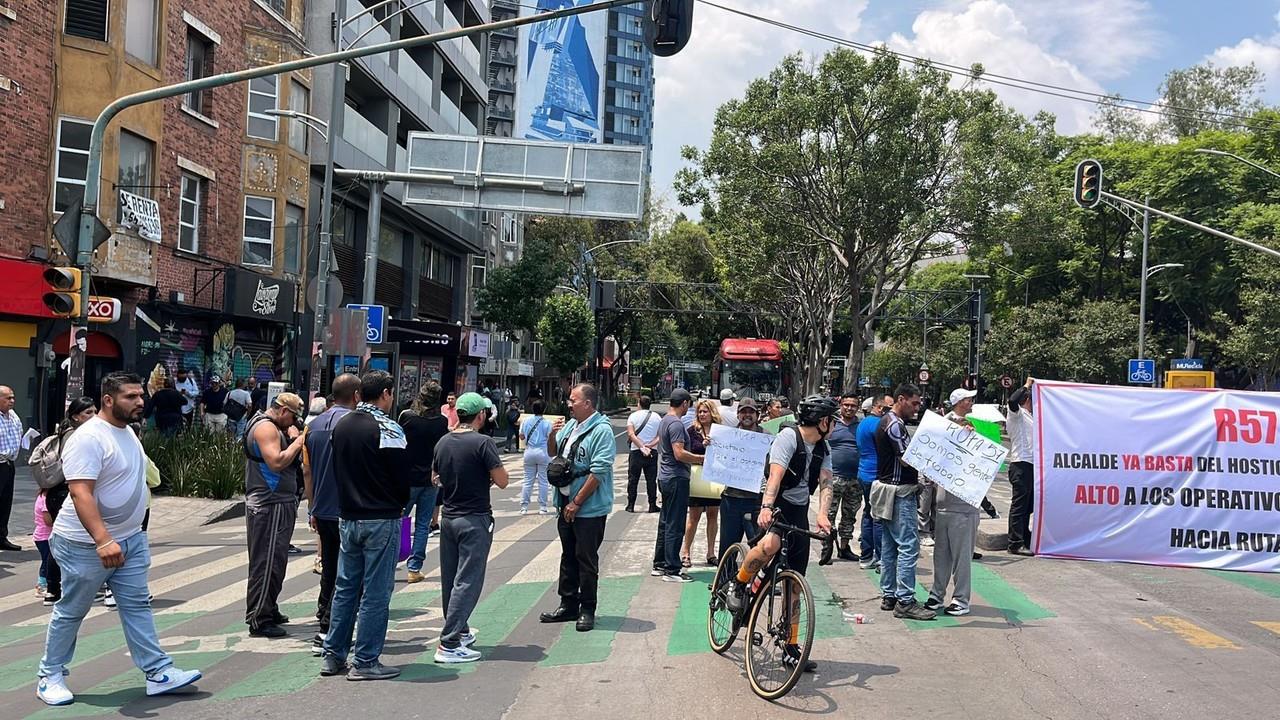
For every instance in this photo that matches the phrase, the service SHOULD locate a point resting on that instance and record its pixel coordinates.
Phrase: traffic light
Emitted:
(64, 299)
(1088, 186)
(668, 25)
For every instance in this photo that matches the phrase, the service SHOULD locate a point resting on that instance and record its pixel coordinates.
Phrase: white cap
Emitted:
(868, 404)
(961, 394)
(727, 395)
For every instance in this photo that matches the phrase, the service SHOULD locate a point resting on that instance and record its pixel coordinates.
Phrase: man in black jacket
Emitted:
(373, 488)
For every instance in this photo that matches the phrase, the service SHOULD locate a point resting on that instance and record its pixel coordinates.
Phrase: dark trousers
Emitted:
(330, 544)
(580, 542)
(1022, 477)
(734, 525)
(7, 472)
(636, 464)
(671, 522)
(169, 423)
(270, 528)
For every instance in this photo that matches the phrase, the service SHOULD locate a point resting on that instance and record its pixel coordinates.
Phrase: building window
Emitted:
(86, 19)
(280, 6)
(72, 163)
(300, 102)
(294, 227)
(137, 157)
(140, 36)
(262, 97)
(192, 201)
(199, 62)
(259, 247)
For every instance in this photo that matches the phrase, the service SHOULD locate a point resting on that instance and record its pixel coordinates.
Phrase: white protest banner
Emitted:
(1155, 476)
(960, 460)
(735, 458)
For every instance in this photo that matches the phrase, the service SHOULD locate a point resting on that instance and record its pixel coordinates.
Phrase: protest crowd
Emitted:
(365, 476)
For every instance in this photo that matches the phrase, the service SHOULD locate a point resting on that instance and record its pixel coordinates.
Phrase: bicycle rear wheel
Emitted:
(722, 624)
(780, 635)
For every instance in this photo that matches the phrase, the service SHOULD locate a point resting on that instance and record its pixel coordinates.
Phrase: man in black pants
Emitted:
(10, 442)
(642, 432)
(673, 481)
(322, 495)
(1022, 474)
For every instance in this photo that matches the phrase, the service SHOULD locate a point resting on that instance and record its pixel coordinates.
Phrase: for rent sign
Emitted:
(1163, 477)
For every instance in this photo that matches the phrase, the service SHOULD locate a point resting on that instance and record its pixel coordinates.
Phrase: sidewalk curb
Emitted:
(993, 534)
(234, 509)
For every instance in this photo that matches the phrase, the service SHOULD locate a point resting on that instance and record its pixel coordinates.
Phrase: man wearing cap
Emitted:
(674, 472)
(273, 444)
(728, 411)
(955, 528)
(736, 503)
(847, 492)
(873, 408)
(214, 398)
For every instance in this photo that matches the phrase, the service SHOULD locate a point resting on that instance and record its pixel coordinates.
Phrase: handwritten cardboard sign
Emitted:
(960, 460)
(735, 458)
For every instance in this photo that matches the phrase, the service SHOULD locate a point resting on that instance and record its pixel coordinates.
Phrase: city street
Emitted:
(1047, 638)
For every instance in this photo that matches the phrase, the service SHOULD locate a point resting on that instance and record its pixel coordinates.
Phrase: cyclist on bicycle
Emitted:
(798, 463)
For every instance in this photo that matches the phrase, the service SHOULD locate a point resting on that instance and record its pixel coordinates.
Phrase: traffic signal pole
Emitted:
(1202, 228)
(84, 244)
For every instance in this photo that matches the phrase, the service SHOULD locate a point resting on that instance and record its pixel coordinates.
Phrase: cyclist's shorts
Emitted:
(797, 545)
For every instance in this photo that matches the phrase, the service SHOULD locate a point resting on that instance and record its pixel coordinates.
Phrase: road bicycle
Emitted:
(778, 613)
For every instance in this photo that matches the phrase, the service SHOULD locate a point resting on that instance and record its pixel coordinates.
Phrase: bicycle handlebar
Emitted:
(774, 523)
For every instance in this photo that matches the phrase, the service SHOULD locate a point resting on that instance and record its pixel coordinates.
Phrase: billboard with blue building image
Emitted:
(561, 71)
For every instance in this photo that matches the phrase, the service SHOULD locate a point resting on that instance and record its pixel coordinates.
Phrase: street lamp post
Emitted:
(1233, 156)
(1142, 299)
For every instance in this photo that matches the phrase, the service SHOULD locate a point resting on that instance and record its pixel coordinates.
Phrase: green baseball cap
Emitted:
(471, 404)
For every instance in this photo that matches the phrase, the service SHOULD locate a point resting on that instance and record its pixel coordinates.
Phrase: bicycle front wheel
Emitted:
(780, 635)
(722, 623)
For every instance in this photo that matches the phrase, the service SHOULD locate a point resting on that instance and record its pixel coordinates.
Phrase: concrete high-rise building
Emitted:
(628, 105)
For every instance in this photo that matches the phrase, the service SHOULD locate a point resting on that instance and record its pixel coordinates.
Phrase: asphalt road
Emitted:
(1047, 639)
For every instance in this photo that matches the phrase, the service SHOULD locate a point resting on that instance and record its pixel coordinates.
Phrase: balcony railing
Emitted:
(470, 53)
(414, 75)
(364, 135)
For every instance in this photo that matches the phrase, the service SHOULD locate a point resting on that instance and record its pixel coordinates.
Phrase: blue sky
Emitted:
(1123, 46)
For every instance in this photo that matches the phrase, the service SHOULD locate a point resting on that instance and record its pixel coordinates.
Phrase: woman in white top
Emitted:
(533, 432)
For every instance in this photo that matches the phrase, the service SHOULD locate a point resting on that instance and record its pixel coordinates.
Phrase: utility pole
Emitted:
(1142, 292)
(373, 237)
(97, 135)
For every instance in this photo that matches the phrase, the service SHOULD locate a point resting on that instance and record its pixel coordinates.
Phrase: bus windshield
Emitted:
(756, 379)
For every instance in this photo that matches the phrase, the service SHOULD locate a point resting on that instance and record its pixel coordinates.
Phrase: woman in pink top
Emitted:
(44, 528)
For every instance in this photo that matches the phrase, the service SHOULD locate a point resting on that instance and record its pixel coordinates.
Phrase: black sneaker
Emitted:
(735, 596)
(50, 598)
(934, 605)
(914, 611)
(888, 603)
(268, 631)
(791, 655)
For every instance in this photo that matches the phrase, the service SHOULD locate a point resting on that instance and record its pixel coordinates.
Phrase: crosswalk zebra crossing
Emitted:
(198, 582)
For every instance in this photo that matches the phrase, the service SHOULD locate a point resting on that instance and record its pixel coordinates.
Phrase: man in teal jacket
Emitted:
(583, 505)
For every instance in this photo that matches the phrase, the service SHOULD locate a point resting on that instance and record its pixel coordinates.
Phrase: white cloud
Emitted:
(1104, 38)
(724, 54)
(1265, 53)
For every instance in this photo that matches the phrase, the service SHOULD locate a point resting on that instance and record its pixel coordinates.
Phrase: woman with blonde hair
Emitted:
(706, 413)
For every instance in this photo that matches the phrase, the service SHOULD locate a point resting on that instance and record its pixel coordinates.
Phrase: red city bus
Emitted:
(750, 367)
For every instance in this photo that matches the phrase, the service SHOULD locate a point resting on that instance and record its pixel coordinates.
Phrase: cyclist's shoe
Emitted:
(735, 596)
(888, 603)
(791, 655)
(914, 611)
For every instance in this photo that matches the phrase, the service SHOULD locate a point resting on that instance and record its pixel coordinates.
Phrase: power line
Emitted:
(1059, 91)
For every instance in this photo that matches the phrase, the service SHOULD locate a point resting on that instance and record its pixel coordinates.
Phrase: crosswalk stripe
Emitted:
(1272, 626)
(545, 567)
(634, 554)
(1016, 607)
(20, 672)
(1266, 584)
(613, 599)
(229, 594)
(109, 696)
(1193, 634)
(689, 627)
(26, 597)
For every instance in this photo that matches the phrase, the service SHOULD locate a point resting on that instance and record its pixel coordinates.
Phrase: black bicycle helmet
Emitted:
(815, 407)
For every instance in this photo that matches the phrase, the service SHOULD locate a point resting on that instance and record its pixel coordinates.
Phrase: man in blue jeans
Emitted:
(102, 540)
(373, 488)
(736, 504)
(423, 425)
(893, 496)
(673, 482)
(872, 409)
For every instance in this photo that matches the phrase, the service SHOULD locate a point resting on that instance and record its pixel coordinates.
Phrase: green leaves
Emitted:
(566, 331)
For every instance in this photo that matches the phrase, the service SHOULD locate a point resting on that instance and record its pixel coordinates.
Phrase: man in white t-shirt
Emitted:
(190, 390)
(642, 432)
(728, 408)
(102, 540)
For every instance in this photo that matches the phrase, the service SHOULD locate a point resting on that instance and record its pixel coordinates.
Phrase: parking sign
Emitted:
(377, 321)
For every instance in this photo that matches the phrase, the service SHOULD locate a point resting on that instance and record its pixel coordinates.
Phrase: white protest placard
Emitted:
(735, 458)
(960, 460)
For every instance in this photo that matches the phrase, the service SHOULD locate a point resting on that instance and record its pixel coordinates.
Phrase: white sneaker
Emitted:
(468, 638)
(460, 654)
(109, 600)
(926, 541)
(53, 691)
(545, 511)
(524, 509)
(170, 679)
(657, 572)
(864, 564)
(681, 578)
